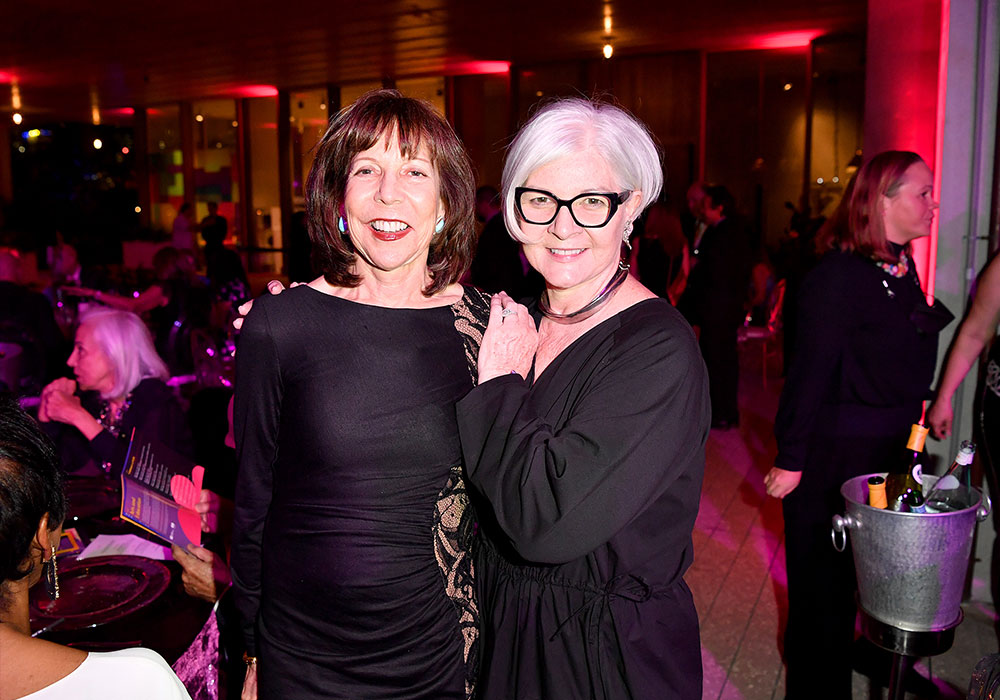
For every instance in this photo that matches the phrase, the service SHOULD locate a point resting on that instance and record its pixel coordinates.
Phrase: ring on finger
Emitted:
(508, 311)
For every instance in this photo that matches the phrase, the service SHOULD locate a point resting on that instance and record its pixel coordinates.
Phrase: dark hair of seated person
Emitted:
(31, 485)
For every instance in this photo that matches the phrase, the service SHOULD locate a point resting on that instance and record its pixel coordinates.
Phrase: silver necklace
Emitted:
(590, 309)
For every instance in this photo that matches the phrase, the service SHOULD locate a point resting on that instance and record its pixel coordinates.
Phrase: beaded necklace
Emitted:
(113, 423)
(896, 269)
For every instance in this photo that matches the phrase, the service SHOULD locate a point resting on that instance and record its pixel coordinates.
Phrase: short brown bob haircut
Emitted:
(359, 127)
(879, 177)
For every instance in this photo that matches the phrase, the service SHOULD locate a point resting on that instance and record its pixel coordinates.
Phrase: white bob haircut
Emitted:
(126, 341)
(572, 125)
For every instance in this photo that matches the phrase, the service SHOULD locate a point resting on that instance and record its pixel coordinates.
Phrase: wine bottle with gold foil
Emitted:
(897, 484)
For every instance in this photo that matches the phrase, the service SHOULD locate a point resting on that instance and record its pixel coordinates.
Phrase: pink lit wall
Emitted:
(904, 98)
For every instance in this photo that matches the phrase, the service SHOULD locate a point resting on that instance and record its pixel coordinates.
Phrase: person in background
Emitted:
(660, 255)
(585, 435)
(499, 265)
(713, 300)
(33, 506)
(28, 324)
(866, 348)
(119, 385)
(175, 303)
(184, 228)
(978, 330)
(214, 227)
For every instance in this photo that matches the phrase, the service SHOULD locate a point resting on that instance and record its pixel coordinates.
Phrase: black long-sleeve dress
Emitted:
(592, 476)
(350, 560)
(866, 348)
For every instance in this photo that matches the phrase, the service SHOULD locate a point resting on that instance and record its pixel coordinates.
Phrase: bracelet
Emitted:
(250, 661)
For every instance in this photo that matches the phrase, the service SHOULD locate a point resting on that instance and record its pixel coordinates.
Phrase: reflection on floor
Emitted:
(738, 576)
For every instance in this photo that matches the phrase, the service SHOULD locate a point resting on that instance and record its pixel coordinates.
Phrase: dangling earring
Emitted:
(51, 571)
(341, 225)
(439, 226)
(627, 235)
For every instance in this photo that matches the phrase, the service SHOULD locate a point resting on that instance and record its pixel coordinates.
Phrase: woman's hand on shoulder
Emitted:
(510, 340)
(274, 287)
(781, 482)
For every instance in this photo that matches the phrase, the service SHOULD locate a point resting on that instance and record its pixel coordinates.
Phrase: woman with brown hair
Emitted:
(866, 347)
(350, 559)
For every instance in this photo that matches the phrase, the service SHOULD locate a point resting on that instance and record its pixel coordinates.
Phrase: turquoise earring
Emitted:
(439, 226)
(341, 225)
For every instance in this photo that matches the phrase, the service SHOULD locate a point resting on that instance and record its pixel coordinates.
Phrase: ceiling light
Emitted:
(16, 117)
(138, 210)
(608, 50)
(788, 86)
(98, 144)
(199, 118)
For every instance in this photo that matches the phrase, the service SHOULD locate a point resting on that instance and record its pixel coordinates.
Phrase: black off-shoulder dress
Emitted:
(350, 560)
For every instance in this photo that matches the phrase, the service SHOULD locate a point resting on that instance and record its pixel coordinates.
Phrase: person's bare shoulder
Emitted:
(32, 664)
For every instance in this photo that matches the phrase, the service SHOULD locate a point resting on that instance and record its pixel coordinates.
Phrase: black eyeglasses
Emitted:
(589, 210)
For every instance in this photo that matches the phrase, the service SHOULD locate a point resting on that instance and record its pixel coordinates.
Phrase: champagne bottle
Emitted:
(897, 484)
(953, 491)
(876, 492)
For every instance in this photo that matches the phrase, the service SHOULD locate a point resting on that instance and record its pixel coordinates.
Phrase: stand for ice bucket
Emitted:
(905, 646)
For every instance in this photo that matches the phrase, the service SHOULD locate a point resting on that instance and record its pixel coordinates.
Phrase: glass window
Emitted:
(166, 161)
(427, 89)
(216, 148)
(310, 114)
(264, 238)
(350, 93)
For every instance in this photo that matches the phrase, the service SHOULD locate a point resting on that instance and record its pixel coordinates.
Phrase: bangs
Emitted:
(393, 119)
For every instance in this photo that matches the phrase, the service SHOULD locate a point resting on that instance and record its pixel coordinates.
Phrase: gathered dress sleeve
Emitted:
(824, 324)
(256, 414)
(637, 426)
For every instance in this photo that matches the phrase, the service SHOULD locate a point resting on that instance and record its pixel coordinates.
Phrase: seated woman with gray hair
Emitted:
(120, 385)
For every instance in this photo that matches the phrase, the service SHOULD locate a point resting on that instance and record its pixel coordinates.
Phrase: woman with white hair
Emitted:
(585, 433)
(120, 385)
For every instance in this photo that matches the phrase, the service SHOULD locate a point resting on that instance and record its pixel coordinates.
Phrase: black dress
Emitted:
(864, 361)
(350, 560)
(594, 474)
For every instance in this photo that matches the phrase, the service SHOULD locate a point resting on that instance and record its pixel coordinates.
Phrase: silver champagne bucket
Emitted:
(910, 566)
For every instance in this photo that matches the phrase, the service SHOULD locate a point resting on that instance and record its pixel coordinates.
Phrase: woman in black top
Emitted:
(350, 561)
(866, 347)
(120, 385)
(589, 451)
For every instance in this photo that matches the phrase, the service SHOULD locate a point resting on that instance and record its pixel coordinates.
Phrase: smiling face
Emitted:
(908, 214)
(392, 204)
(576, 262)
(93, 369)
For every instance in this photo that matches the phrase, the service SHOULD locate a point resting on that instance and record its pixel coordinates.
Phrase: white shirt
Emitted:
(117, 675)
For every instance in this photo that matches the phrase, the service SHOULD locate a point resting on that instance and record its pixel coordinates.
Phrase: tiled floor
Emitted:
(738, 575)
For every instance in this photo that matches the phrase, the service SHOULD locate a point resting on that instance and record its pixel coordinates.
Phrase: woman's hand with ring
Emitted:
(509, 342)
